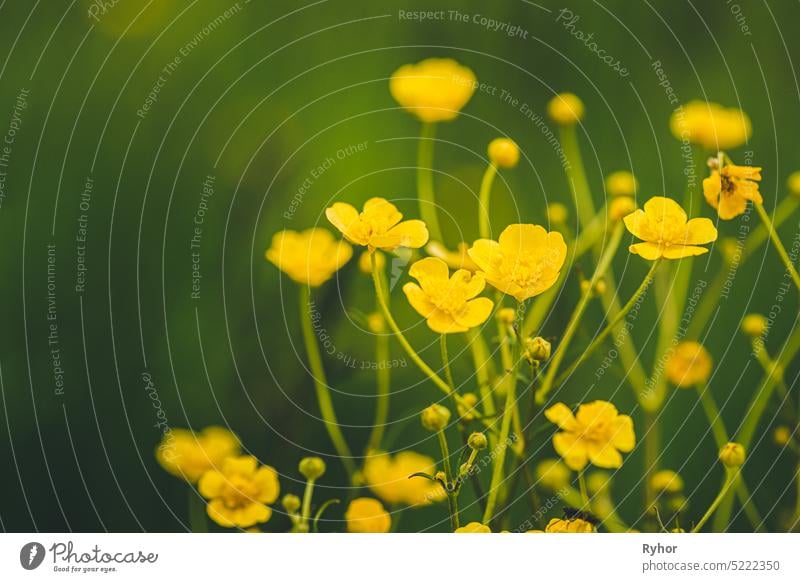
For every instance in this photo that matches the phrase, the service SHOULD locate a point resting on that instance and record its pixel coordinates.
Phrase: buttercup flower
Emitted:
(186, 454)
(754, 325)
(474, 527)
(448, 303)
(310, 257)
(664, 227)
(525, 262)
(729, 189)
(388, 478)
(690, 364)
(433, 89)
(565, 109)
(503, 152)
(577, 525)
(239, 494)
(711, 125)
(596, 434)
(457, 259)
(378, 226)
(621, 183)
(367, 515)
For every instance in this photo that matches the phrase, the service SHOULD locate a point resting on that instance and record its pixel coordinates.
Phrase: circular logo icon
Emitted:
(31, 555)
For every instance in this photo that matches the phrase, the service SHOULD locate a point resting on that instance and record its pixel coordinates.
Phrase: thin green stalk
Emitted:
(452, 495)
(584, 491)
(427, 200)
(383, 377)
(321, 384)
(198, 521)
(598, 340)
(484, 198)
(448, 373)
(731, 476)
(652, 449)
(776, 242)
(483, 370)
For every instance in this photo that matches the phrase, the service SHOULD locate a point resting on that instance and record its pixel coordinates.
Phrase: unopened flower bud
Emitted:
(557, 213)
(466, 406)
(503, 152)
(782, 435)
(621, 183)
(291, 503)
(376, 323)
(621, 207)
(666, 481)
(754, 325)
(312, 468)
(477, 441)
(732, 455)
(435, 417)
(565, 109)
(537, 349)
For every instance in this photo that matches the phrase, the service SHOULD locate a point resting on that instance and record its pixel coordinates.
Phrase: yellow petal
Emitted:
(442, 322)
(252, 514)
(681, 251)
(712, 187)
(244, 465)
(483, 252)
(381, 212)
(418, 299)
(477, 311)
(429, 268)
(604, 455)
(211, 484)
(595, 411)
(471, 284)
(518, 238)
(731, 206)
(646, 250)
(624, 438)
(749, 191)
(412, 234)
(700, 231)
(266, 479)
(743, 172)
(560, 415)
(638, 225)
(663, 207)
(343, 216)
(219, 513)
(571, 449)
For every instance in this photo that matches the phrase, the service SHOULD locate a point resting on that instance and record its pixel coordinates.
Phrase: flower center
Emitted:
(239, 492)
(446, 297)
(523, 270)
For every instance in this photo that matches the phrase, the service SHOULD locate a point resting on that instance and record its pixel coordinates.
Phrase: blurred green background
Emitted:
(263, 94)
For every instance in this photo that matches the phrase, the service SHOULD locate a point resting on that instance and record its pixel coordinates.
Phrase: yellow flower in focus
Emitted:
(525, 262)
(434, 89)
(458, 259)
(728, 190)
(310, 257)
(565, 109)
(503, 152)
(473, 527)
(711, 125)
(597, 433)
(664, 227)
(557, 525)
(388, 478)
(621, 183)
(239, 494)
(188, 455)
(689, 365)
(378, 226)
(367, 515)
(447, 303)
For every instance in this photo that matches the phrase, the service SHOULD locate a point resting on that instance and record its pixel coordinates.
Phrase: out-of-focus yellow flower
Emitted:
(457, 259)
(310, 257)
(388, 478)
(378, 226)
(782, 435)
(664, 227)
(553, 474)
(365, 262)
(449, 304)
(367, 515)
(754, 324)
(621, 183)
(793, 183)
(557, 213)
(525, 262)
(188, 455)
(376, 323)
(474, 527)
(577, 525)
(711, 125)
(466, 406)
(732, 455)
(240, 493)
(598, 483)
(666, 481)
(597, 433)
(621, 207)
(434, 89)
(689, 364)
(729, 189)
(503, 152)
(565, 109)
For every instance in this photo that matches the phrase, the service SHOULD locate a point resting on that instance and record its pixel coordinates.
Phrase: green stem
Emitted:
(198, 521)
(584, 491)
(448, 373)
(484, 198)
(383, 389)
(731, 476)
(305, 511)
(483, 370)
(776, 242)
(713, 416)
(576, 175)
(427, 200)
(321, 384)
(652, 445)
(452, 500)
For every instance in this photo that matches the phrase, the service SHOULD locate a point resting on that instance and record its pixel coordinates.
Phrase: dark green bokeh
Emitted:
(261, 100)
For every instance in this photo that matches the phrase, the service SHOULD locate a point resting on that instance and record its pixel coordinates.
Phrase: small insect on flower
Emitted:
(473, 527)
(188, 455)
(367, 515)
(667, 233)
(434, 89)
(597, 433)
(240, 493)
(689, 364)
(711, 125)
(378, 226)
(728, 189)
(525, 262)
(448, 303)
(310, 257)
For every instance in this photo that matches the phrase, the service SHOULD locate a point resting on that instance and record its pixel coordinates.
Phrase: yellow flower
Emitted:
(666, 481)
(597, 433)
(729, 189)
(388, 478)
(473, 527)
(793, 183)
(621, 183)
(367, 515)
(525, 262)
(433, 89)
(457, 259)
(711, 125)
(690, 364)
(553, 474)
(557, 213)
(503, 152)
(755, 325)
(448, 303)
(565, 109)
(732, 455)
(186, 454)
(310, 257)
(576, 525)
(378, 226)
(239, 494)
(666, 232)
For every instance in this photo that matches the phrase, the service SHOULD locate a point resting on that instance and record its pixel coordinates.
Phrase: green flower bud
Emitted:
(435, 417)
(312, 468)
